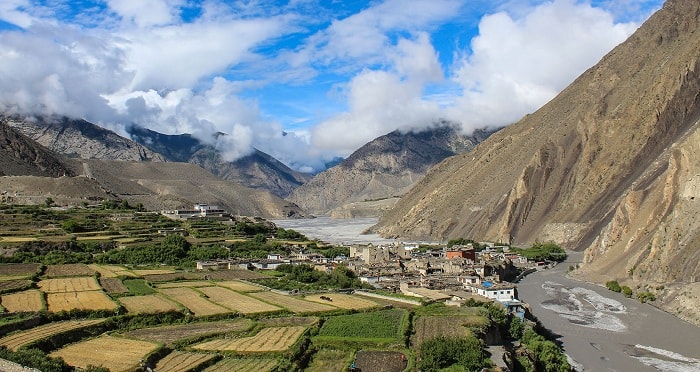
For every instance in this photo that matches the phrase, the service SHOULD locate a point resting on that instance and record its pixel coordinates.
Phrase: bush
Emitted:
(443, 352)
(627, 291)
(646, 296)
(614, 286)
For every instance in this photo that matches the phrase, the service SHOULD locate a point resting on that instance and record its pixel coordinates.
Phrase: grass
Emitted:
(378, 325)
(138, 287)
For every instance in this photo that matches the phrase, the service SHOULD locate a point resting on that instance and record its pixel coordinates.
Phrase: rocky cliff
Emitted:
(610, 166)
(20, 156)
(77, 138)
(370, 180)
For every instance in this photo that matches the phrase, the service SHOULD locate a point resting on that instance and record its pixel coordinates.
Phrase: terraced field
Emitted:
(194, 301)
(21, 338)
(267, 340)
(150, 304)
(343, 301)
(244, 365)
(169, 334)
(291, 303)
(85, 300)
(180, 361)
(74, 284)
(236, 301)
(115, 353)
(30, 300)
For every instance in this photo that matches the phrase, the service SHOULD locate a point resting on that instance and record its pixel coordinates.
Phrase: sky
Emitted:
(302, 80)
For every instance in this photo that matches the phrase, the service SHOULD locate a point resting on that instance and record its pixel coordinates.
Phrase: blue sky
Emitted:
(302, 80)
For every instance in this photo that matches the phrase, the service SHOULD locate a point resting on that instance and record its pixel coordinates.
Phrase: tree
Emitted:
(48, 202)
(443, 352)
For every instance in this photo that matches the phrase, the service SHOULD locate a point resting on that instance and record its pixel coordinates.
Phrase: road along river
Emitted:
(603, 331)
(599, 329)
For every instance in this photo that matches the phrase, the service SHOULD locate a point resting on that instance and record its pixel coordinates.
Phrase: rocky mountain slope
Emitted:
(77, 138)
(257, 170)
(610, 166)
(20, 156)
(371, 179)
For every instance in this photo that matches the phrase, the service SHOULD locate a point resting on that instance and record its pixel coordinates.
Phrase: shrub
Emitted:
(443, 352)
(627, 291)
(646, 296)
(614, 286)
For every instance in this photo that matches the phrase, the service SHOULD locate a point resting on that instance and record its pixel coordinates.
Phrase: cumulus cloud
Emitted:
(120, 62)
(518, 64)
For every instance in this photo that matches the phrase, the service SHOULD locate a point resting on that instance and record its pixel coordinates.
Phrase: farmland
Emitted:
(133, 298)
(270, 339)
(115, 353)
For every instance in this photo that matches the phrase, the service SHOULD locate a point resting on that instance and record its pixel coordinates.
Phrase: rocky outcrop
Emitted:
(20, 156)
(77, 138)
(383, 169)
(608, 166)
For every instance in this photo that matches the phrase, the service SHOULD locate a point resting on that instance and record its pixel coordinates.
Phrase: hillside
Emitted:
(371, 179)
(610, 166)
(20, 156)
(257, 170)
(76, 138)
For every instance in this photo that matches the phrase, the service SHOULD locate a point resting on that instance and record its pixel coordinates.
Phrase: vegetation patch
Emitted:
(380, 361)
(380, 326)
(113, 285)
(19, 269)
(461, 353)
(138, 287)
(78, 269)
(328, 360)
(341, 300)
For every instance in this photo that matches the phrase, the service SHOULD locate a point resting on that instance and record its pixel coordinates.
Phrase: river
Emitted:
(600, 330)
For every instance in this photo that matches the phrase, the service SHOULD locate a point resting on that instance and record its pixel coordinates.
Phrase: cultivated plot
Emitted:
(271, 339)
(292, 304)
(169, 334)
(193, 283)
(240, 286)
(341, 300)
(244, 365)
(30, 300)
(180, 361)
(113, 285)
(53, 271)
(75, 284)
(26, 337)
(19, 270)
(236, 301)
(194, 301)
(112, 271)
(85, 300)
(114, 353)
(148, 304)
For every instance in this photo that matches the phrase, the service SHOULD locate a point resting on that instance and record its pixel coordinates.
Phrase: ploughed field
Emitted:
(124, 319)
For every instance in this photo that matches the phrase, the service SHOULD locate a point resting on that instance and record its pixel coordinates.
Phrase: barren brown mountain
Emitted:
(611, 165)
(20, 156)
(372, 178)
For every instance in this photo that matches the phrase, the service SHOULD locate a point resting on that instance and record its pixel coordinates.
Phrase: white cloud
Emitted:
(145, 13)
(518, 64)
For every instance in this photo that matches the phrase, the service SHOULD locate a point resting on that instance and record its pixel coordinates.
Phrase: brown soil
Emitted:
(380, 361)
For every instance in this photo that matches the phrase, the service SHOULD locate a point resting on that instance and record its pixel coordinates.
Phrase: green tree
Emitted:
(444, 352)
(613, 285)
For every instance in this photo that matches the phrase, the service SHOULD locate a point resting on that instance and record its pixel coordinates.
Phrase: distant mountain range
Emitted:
(371, 179)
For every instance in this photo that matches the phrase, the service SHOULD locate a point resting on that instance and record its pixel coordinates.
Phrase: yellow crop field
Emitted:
(153, 272)
(75, 284)
(240, 286)
(30, 300)
(78, 269)
(19, 339)
(111, 271)
(268, 339)
(292, 304)
(343, 301)
(179, 361)
(85, 300)
(244, 365)
(114, 353)
(236, 301)
(190, 283)
(148, 304)
(194, 301)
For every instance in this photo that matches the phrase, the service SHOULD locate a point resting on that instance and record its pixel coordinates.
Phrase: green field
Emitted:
(379, 325)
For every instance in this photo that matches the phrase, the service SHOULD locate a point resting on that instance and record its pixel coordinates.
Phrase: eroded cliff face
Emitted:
(609, 166)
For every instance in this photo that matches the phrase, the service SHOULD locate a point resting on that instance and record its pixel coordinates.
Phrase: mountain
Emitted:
(610, 166)
(77, 138)
(257, 170)
(373, 177)
(37, 172)
(20, 156)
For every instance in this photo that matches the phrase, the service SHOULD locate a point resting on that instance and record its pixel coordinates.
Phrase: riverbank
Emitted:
(604, 331)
